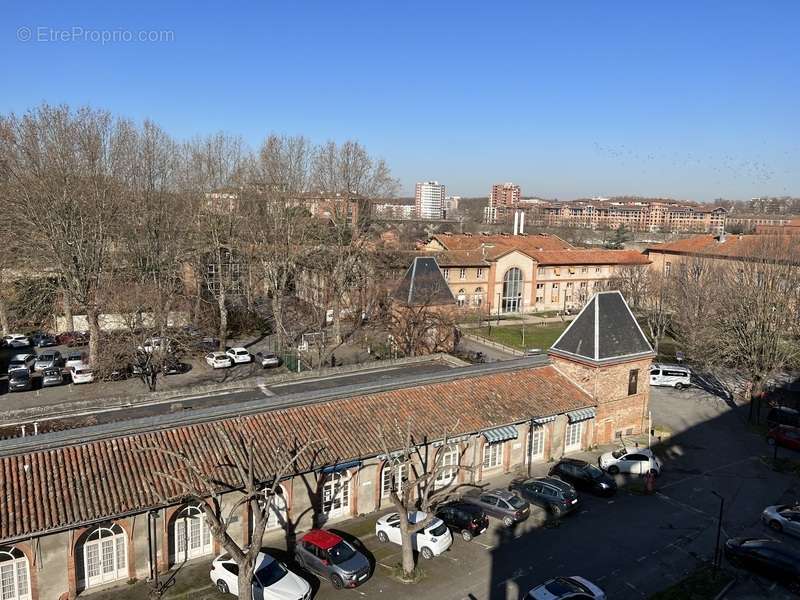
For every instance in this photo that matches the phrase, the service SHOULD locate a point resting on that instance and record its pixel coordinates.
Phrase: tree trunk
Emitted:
(223, 320)
(245, 584)
(69, 321)
(408, 550)
(4, 316)
(93, 318)
(277, 316)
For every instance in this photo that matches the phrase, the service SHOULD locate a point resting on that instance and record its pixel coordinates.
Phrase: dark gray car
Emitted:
(19, 380)
(329, 556)
(47, 360)
(52, 376)
(503, 505)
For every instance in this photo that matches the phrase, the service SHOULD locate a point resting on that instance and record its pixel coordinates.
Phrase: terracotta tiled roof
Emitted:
(76, 485)
(731, 246)
(459, 258)
(591, 257)
(525, 243)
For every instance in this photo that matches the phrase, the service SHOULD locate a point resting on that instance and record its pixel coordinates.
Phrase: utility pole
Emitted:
(717, 556)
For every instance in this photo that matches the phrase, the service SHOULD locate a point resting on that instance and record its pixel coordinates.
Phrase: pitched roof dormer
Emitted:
(604, 332)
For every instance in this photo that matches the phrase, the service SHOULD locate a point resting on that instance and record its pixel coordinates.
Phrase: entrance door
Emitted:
(336, 495)
(192, 535)
(104, 556)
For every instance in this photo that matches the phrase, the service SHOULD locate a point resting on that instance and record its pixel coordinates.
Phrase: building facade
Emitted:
(429, 200)
(506, 195)
(87, 515)
(502, 274)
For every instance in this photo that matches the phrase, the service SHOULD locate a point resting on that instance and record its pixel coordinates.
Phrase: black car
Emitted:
(584, 476)
(770, 558)
(555, 496)
(463, 518)
(19, 380)
(782, 415)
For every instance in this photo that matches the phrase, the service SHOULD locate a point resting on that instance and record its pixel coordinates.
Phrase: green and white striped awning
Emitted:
(544, 420)
(582, 414)
(500, 434)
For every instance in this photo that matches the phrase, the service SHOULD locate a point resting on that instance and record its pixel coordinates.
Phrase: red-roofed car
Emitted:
(783, 435)
(333, 558)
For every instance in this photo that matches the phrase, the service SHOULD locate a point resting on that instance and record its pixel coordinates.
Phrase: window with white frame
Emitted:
(447, 463)
(493, 455)
(105, 556)
(462, 273)
(537, 443)
(400, 477)
(336, 494)
(539, 292)
(477, 297)
(461, 297)
(572, 439)
(554, 293)
(191, 534)
(14, 574)
(446, 274)
(479, 273)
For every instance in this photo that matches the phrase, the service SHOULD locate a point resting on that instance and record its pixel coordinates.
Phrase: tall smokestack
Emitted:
(516, 222)
(522, 221)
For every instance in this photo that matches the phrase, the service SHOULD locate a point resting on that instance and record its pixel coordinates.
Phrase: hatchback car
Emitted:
(16, 340)
(331, 557)
(432, 541)
(52, 376)
(218, 360)
(638, 461)
(47, 360)
(503, 505)
(555, 496)
(783, 517)
(22, 361)
(73, 359)
(567, 588)
(81, 373)
(463, 518)
(271, 579)
(268, 359)
(43, 340)
(19, 380)
(770, 558)
(584, 476)
(239, 355)
(784, 435)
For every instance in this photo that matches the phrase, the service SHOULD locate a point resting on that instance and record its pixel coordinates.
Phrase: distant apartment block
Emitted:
(429, 200)
(505, 194)
(635, 215)
(400, 209)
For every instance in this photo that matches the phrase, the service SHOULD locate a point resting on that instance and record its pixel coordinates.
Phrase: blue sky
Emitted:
(685, 99)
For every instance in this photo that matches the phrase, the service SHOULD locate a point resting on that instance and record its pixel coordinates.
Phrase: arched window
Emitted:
(336, 494)
(191, 534)
(14, 574)
(477, 297)
(447, 465)
(512, 290)
(105, 555)
(461, 298)
(400, 477)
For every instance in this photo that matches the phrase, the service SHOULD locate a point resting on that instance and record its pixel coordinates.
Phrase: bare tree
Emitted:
(650, 295)
(695, 295)
(236, 471)
(414, 470)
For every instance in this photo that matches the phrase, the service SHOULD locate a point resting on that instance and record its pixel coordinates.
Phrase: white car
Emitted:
(566, 588)
(783, 517)
(638, 461)
(74, 359)
(430, 542)
(239, 355)
(16, 340)
(81, 373)
(670, 375)
(270, 577)
(22, 361)
(219, 360)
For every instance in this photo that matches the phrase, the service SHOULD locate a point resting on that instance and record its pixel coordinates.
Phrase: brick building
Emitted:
(506, 195)
(86, 510)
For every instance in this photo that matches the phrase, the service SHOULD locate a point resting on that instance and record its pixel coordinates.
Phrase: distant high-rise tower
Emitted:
(429, 200)
(506, 195)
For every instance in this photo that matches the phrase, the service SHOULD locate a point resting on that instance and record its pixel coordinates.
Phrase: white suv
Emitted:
(430, 542)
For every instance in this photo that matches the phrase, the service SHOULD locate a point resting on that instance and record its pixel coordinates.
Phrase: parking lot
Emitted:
(632, 544)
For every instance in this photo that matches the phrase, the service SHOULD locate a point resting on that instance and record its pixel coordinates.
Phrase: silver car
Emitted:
(47, 360)
(783, 517)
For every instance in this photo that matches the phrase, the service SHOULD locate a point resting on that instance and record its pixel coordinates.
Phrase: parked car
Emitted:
(239, 355)
(271, 579)
(72, 338)
(16, 340)
(52, 376)
(555, 496)
(783, 415)
(638, 461)
(22, 361)
(584, 476)
(463, 518)
(218, 360)
(155, 343)
(330, 557)
(81, 373)
(784, 435)
(174, 367)
(47, 360)
(431, 541)
(268, 359)
(20, 380)
(43, 340)
(567, 588)
(207, 344)
(782, 517)
(73, 359)
(770, 558)
(503, 505)
(676, 376)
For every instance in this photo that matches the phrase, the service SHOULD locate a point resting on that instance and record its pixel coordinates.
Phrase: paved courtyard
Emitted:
(632, 545)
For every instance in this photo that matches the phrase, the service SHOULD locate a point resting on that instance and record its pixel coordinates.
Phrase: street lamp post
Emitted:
(717, 556)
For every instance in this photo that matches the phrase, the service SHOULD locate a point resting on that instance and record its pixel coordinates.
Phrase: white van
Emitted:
(675, 376)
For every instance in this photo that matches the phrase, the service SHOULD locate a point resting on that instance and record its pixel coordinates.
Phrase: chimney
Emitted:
(522, 221)
(516, 221)
(721, 238)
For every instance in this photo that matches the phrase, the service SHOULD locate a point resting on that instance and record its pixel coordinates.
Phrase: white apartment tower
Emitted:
(429, 200)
